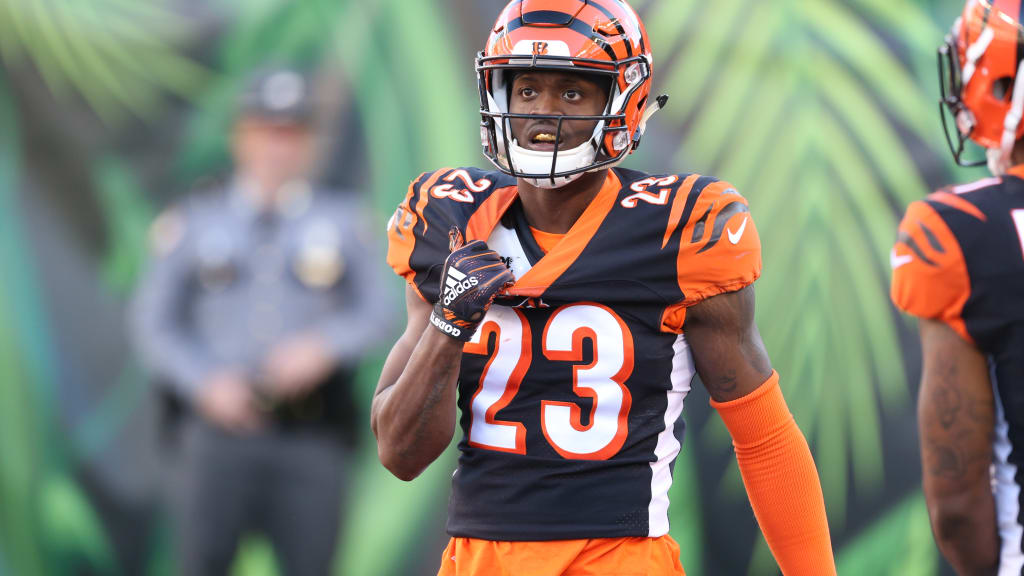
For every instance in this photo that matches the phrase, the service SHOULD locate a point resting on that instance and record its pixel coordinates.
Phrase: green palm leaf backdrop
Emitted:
(819, 111)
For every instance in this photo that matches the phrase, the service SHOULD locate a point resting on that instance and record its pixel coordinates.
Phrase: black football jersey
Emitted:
(959, 259)
(572, 389)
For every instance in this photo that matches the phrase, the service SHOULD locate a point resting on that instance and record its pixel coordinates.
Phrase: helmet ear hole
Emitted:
(1002, 88)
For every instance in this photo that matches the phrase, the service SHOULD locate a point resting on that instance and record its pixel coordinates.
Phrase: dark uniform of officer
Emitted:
(261, 297)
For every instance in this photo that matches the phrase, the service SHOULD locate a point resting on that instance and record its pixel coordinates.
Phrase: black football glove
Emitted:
(473, 275)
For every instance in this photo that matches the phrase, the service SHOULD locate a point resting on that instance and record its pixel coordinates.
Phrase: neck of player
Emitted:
(556, 210)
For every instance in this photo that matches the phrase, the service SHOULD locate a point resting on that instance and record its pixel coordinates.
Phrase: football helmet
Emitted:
(979, 63)
(599, 37)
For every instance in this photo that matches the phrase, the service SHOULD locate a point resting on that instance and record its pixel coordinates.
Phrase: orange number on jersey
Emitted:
(603, 381)
(1018, 220)
(640, 187)
(500, 379)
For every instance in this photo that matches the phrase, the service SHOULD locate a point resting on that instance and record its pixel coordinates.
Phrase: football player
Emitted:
(958, 266)
(565, 305)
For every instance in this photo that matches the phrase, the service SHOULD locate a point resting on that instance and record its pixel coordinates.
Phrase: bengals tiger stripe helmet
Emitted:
(979, 63)
(600, 37)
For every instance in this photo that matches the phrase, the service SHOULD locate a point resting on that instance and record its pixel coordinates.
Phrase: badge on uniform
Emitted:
(217, 269)
(319, 263)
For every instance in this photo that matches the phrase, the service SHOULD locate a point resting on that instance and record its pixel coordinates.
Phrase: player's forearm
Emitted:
(965, 530)
(781, 480)
(414, 419)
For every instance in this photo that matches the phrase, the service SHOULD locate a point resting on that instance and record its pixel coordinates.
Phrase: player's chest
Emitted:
(583, 373)
(614, 263)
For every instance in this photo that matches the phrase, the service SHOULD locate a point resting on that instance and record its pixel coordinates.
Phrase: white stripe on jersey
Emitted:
(1007, 491)
(983, 183)
(668, 446)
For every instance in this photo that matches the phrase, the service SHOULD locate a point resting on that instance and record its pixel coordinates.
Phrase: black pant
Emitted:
(286, 484)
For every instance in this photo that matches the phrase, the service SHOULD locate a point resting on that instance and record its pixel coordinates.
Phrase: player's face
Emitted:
(273, 152)
(561, 93)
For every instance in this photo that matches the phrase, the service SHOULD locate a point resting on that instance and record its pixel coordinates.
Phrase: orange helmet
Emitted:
(979, 63)
(601, 37)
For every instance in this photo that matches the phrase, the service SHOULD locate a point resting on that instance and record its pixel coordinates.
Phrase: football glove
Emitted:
(473, 275)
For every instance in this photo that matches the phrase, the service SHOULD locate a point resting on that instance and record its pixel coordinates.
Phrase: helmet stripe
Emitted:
(618, 24)
(634, 20)
(975, 51)
(559, 18)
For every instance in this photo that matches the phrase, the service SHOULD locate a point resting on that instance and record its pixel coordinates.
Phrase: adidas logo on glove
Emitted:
(473, 275)
(456, 284)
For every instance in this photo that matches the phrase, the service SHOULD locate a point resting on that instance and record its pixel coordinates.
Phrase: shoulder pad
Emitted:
(436, 202)
(958, 198)
(719, 248)
(929, 273)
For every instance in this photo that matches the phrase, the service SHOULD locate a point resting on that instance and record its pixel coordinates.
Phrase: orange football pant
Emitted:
(594, 557)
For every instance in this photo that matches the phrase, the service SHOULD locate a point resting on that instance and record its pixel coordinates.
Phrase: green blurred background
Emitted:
(820, 111)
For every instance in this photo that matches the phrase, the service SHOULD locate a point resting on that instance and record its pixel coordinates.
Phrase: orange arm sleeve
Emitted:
(781, 480)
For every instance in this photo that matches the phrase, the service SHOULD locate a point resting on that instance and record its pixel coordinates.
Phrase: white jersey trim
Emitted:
(1007, 491)
(505, 242)
(668, 446)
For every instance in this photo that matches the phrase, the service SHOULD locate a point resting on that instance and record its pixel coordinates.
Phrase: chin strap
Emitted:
(659, 104)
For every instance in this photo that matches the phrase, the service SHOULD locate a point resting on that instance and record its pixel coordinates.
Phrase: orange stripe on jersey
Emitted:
(673, 318)
(719, 250)
(1017, 171)
(929, 277)
(483, 221)
(620, 556)
(959, 203)
(678, 204)
(551, 266)
(546, 240)
(421, 203)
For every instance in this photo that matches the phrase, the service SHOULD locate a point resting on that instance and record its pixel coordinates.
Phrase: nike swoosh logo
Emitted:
(734, 237)
(896, 260)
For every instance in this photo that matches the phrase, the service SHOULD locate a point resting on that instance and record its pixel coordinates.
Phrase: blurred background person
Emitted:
(958, 266)
(260, 298)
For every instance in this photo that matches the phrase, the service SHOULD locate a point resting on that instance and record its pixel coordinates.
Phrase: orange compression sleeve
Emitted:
(780, 478)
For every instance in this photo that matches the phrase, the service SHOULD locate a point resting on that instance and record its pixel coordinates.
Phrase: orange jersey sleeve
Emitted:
(929, 273)
(413, 234)
(720, 250)
(400, 234)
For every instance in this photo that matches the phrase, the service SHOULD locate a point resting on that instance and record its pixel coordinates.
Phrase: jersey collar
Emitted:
(548, 269)
(1017, 171)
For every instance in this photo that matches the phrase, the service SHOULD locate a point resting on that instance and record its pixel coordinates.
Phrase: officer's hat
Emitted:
(279, 94)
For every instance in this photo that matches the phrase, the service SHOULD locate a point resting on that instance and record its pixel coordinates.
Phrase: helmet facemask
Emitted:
(980, 64)
(957, 120)
(607, 146)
